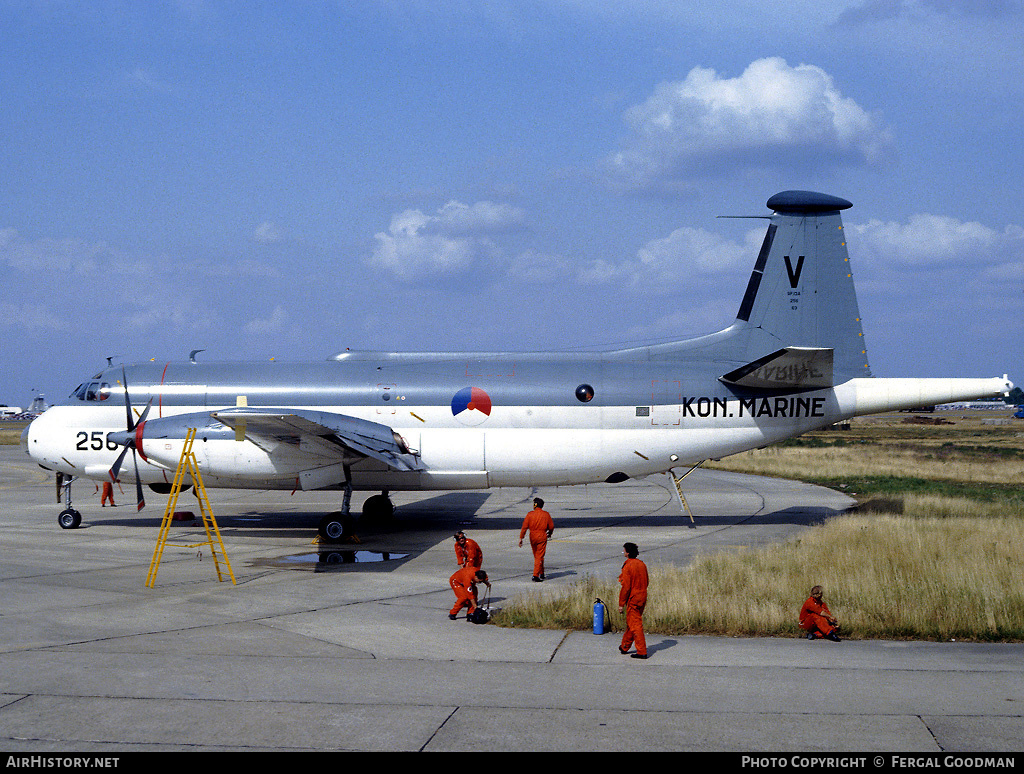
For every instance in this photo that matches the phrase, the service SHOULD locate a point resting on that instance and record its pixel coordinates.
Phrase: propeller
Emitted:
(130, 440)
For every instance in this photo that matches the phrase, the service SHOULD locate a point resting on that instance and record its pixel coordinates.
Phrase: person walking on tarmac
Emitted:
(108, 494)
(632, 600)
(467, 551)
(463, 583)
(540, 526)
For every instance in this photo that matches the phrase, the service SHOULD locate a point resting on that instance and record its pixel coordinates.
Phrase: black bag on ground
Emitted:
(479, 616)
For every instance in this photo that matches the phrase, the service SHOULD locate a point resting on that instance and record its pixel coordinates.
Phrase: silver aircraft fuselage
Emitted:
(539, 419)
(793, 360)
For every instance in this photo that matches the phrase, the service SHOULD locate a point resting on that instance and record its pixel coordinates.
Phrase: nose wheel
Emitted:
(69, 518)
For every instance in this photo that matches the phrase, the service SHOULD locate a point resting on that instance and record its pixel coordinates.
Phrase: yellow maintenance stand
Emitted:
(187, 464)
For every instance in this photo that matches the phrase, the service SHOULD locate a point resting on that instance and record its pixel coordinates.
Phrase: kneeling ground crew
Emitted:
(463, 583)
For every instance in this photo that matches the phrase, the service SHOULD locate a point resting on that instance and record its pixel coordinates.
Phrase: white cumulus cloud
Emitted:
(417, 244)
(771, 115)
(936, 239)
(670, 264)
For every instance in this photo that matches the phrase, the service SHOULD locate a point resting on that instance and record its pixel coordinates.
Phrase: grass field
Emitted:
(10, 431)
(932, 551)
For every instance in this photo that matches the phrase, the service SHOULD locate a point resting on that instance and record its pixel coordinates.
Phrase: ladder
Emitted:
(678, 483)
(187, 464)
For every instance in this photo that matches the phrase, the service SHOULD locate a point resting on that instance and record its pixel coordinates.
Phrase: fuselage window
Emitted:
(584, 393)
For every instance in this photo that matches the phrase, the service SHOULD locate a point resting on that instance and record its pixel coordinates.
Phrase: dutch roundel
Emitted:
(471, 405)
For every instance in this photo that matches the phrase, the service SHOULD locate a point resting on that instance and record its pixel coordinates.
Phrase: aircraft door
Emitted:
(454, 458)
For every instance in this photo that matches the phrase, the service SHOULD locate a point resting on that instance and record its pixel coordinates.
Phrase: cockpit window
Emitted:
(92, 391)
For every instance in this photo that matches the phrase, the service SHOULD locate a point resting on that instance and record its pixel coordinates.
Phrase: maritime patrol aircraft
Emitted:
(793, 360)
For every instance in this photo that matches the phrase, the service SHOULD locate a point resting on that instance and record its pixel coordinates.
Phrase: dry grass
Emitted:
(885, 576)
(10, 431)
(911, 562)
(853, 461)
(834, 463)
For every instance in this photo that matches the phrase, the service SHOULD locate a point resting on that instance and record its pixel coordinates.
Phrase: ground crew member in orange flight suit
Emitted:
(816, 619)
(632, 600)
(467, 551)
(541, 527)
(463, 583)
(108, 494)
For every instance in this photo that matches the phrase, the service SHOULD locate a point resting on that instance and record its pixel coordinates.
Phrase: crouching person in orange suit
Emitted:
(816, 619)
(463, 583)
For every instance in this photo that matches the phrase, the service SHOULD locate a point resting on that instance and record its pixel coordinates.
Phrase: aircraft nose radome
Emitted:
(24, 439)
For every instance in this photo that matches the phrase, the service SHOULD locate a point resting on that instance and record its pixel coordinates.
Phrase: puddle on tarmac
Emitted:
(327, 560)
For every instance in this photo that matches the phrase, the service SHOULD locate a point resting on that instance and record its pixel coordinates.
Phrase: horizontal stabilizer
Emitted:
(792, 368)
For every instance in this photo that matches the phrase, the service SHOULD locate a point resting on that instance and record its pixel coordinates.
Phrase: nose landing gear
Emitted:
(69, 518)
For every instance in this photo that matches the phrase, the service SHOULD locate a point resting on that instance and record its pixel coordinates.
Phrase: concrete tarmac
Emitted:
(352, 649)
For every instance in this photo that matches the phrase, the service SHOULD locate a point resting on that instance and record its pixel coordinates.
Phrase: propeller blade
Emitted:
(116, 467)
(138, 483)
(127, 402)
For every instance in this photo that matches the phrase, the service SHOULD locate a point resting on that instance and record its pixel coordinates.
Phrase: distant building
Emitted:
(37, 407)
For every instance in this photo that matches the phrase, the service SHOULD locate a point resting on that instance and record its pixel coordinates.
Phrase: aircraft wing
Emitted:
(335, 436)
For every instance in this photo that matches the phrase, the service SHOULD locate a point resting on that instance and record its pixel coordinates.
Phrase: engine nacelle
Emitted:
(161, 442)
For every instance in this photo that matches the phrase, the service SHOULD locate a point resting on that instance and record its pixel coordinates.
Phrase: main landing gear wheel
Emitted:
(378, 508)
(69, 518)
(334, 526)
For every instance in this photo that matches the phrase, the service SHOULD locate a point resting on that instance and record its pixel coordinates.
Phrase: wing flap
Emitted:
(335, 436)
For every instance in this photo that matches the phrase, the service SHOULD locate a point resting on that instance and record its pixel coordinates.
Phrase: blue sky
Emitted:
(290, 179)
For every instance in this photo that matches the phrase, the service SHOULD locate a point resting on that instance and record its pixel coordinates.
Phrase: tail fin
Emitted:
(800, 293)
(799, 325)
